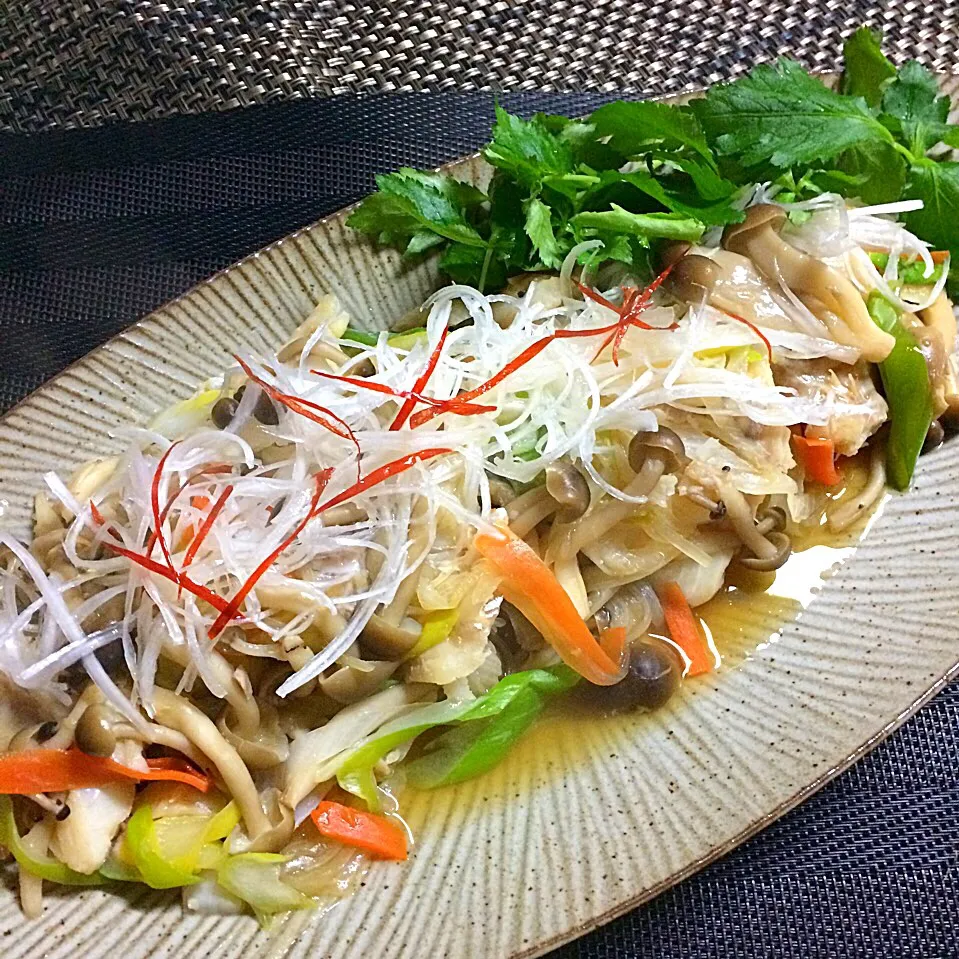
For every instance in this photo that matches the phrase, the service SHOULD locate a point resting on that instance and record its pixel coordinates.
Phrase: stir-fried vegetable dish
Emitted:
(368, 561)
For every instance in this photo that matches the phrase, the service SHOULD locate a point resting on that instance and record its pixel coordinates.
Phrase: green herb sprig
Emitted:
(635, 175)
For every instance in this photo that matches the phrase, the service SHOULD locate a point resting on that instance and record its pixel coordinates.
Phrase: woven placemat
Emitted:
(80, 62)
(100, 226)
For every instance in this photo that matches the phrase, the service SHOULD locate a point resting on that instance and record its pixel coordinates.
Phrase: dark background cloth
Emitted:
(98, 227)
(79, 62)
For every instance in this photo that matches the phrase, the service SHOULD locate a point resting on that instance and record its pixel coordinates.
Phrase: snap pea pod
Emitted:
(905, 379)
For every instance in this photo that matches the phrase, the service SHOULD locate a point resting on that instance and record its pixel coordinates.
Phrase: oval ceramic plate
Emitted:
(515, 862)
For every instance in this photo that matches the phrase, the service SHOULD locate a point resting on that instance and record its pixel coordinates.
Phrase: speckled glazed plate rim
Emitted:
(620, 909)
(123, 349)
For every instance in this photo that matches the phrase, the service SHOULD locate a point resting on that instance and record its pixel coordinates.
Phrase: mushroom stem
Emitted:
(524, 501)
(827, 293)
(940, 317)
(386, 640)
(567, 485)
(418, 546)
(771, 519)
(64, 734)
(529, 510)
(176, 712)
(782, 547)
(163, 736)
(741, 518)
(931, 344)
(244, 706)
(604, 517)
(53, 806)
(501, 492)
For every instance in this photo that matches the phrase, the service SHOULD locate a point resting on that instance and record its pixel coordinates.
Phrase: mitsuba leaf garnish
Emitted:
(782, 116)
(634, 127)
(937, 185)
(675, 194)
(556, 183)
(635, 175)
(539, 228)
(584, 143)
(866, 67)
(913, 108)
(875, 173)
(416, 210)
(527, 150)
(671, 226)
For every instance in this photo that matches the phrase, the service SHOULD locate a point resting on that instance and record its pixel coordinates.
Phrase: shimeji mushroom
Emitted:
(827, 293)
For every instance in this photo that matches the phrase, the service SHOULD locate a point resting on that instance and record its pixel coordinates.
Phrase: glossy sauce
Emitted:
(743, 618)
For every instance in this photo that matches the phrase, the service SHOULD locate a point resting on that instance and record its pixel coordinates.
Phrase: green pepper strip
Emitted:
(911, 273)
(905, 379)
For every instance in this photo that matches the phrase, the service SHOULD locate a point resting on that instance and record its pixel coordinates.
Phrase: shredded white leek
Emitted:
(552, 407)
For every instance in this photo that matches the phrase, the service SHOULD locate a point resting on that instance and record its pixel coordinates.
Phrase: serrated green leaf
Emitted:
(875, 173)
(633, 126)
(581, 138)
(615, 246)
(708, 183)
(411, 203)
(511, 246)
(865, 67)
(687, 202)
(539, 228)
(436, 201)
(527, 150)
(421, 241)
(387, 218)
(918, 112)
(781, 115)
(937, 185)
(463, 263)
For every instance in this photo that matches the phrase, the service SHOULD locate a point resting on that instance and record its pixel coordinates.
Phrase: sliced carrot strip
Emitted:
(58, 770)
(817, 458)
(374, 834)
(530, 586)
(683, 629)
